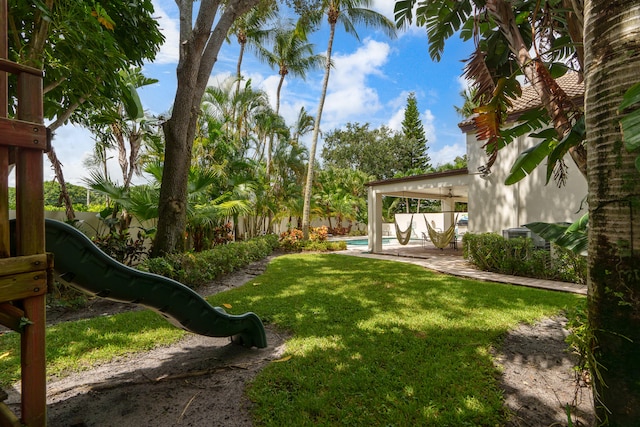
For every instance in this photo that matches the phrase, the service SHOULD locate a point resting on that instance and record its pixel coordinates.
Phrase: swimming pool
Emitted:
(365, 242)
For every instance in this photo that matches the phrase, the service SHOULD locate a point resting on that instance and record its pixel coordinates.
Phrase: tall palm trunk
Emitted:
(612, 48)
(242, 41)
(270, 142)
(306, 209)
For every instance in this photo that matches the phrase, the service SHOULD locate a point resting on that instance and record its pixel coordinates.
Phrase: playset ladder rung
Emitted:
(23, 264)
(11, 316)
(18, 133)
(15, 68)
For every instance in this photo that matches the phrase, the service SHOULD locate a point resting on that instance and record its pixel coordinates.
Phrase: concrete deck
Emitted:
(450, 261)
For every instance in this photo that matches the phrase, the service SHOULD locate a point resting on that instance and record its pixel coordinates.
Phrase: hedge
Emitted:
(195, 269)
(520, 257)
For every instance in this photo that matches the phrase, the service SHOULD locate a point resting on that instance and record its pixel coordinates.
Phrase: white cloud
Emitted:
(169, 53)
(384, 7)
(72, 144)
(368, 59)
(447, 153)
(400, 101)
(257, 79)
(349, 95)
(395, 122)
(428, 122)
(464, 83)
(217, 80)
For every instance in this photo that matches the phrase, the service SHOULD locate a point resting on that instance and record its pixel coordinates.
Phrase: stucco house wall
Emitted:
(494, 206)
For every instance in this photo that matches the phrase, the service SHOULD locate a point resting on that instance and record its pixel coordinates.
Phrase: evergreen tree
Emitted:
(413, 156)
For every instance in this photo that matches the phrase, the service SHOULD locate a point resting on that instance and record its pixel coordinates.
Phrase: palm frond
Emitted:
(103, 185)
(373, 20)
(403, 13)
(477, 71)
(442, 19)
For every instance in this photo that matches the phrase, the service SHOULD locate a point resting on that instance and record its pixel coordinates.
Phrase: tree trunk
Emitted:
(200, 43)
(306, 207)
(64, 193)
(270, 144)
(612, 52)
(552, 97)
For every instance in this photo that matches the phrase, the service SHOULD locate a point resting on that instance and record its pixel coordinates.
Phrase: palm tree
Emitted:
(236, 111)
(124, 123)
(250, 29)
(468, 96)
(290, 54)
(341, 195)
(614, 241)
(303, 125)
(287, 180)
(520, 37)
(349, 13)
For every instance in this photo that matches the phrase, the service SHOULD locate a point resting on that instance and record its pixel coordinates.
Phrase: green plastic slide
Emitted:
(85, 266)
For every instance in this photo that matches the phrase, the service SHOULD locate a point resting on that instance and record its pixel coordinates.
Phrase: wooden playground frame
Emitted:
(25, 270)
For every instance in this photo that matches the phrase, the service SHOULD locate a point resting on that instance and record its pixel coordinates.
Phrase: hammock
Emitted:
(441, 239)
(403, 236)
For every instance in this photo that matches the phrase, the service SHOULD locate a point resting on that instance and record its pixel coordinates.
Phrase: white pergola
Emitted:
(448, 187)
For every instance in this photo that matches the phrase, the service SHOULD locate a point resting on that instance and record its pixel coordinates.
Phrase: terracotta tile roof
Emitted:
(530, 99)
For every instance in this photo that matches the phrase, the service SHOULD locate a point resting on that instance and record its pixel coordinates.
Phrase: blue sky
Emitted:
(369, 84)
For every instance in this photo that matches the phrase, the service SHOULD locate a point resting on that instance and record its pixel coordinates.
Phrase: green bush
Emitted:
(324, 246)
(519, 257)
(292, 241)
(195, 269)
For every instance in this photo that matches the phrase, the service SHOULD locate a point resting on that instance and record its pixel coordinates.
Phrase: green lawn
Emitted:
(374, 343)
(379, 343)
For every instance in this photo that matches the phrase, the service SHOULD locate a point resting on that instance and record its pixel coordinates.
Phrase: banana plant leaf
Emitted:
(568, 236)
(529, 159)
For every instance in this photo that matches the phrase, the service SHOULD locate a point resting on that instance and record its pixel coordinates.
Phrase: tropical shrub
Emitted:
(122, 247)
(318, 234)
(520, 257)
(291, 240)
(114, 238)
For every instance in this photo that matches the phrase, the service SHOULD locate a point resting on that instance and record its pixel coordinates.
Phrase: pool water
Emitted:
(365, 242)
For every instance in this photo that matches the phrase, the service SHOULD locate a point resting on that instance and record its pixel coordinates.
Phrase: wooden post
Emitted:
(4, 150)
(29, 241)
(26, 142)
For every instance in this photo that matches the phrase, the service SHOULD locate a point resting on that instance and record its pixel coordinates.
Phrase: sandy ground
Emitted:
(201, 381)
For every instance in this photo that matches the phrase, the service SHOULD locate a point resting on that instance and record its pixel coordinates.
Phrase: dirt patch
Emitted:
(201, 381)
(538, 378)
